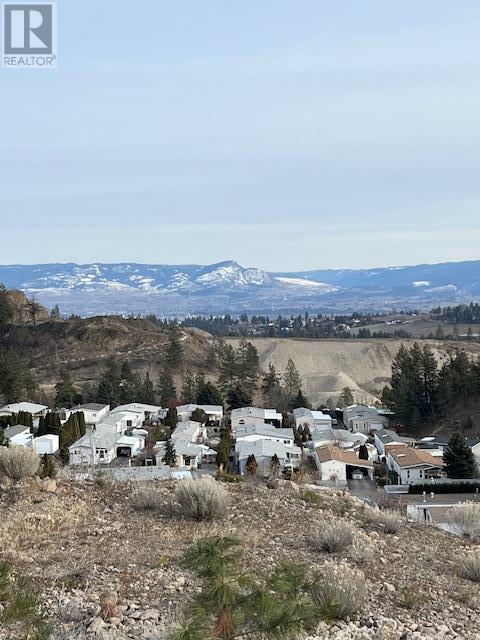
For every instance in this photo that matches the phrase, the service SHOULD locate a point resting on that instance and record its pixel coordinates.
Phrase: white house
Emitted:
(315, 420)
(188, 440)
(385, 437)
(94, 412)
(340, 437)
(413, 465)
(19, 435)
(214, 412)
(49, 443)
(35, 409)
(264, 450)
(97, 446)
(145, 411)
(363, 418)
(251, 433)
(337, 465)
(255, 415)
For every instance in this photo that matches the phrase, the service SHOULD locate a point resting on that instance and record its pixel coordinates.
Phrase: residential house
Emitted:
(101, 445)
(35, 409)
(336, 465)
(19, 435)
(408, 465)
(214, 412)
(94, 412)
(188, 440)
(363, 418)
(143, 411)
(253, 432)
(264, 450)
(255, 415)
(383, 437)
(314, 420)
(340, 437)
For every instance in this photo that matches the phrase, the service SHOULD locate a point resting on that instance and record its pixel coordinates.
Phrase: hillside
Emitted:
(327, 366)
(107, 571)
(81, 346)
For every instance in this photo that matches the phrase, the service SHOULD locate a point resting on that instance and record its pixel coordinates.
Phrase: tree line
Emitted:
(422, 392)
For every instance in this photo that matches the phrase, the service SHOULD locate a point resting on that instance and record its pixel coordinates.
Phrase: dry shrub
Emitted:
(203, 499)
(469, 567)
(465, 519)
(18, 462)
(73, 572)
(343, 590)
(109, 605)
(388, 520)
(146, 499)
(332, 537)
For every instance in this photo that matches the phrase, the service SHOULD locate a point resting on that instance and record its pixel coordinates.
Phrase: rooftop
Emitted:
(409, 457)
(328, 452)
(10, 432)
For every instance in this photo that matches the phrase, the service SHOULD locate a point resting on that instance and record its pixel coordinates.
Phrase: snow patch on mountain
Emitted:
(303, 282)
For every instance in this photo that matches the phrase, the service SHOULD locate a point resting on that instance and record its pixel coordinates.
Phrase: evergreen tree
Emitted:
(291, 379)
(16, 380)
(170, 455)
(189, 388)
(174, 355)
(166, 389)
(171, 419)
(6, 310)
(301, 401)
(274, 466)
(208, 393)
(66, 395)
(270, 385)
(147, 395)
(47, 467)
(363, 452)
(238, 398)
(459, 459)
(224, 448)
(251, 466)
(199, 415)
(346, 398)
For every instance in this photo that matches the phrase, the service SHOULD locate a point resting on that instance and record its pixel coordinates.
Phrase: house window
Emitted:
(408, 473)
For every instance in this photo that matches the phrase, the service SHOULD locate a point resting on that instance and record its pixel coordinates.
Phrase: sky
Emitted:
(284, 134)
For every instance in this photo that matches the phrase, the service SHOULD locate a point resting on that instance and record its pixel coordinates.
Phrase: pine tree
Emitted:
(199, 415)
(346, 398)
(238, 398)
(270, 385)
(208, 393)
(274, 466)
(147, 395)
(363, 452)
(459, 458)
(189, 388)
(166, 389)
(224, 448)
(171, 419)
(170, 455)
(174, 355)
(47, 468)
(66, 395)
(251, 466)
(301, 401)
(291, 379)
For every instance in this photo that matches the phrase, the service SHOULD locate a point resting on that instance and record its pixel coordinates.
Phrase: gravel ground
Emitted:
(107, 570)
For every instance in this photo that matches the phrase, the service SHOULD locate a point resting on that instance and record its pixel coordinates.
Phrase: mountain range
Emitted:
(94, 289)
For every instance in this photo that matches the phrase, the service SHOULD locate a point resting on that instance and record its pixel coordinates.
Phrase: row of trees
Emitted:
(422, 392)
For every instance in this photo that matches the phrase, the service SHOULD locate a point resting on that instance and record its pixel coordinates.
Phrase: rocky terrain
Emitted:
(109, 570)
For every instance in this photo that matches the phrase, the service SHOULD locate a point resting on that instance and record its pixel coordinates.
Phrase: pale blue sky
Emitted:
(285, 134)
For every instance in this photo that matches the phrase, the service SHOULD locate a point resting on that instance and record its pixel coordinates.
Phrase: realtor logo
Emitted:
(29, 35)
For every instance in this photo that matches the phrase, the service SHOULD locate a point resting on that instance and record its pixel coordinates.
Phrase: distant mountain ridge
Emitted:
(99, 288)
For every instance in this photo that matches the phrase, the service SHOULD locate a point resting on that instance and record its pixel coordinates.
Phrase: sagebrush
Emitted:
(465, 519)
(203, 499)
(343, 590)
(469, 567)
(388, 520)
(332, 537)
(18, 462)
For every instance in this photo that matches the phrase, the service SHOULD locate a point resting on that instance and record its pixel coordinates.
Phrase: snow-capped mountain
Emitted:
(229, 287)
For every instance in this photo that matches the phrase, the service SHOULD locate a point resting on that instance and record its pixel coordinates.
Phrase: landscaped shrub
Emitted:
(342, 590)
(388, 520)
(18, 462)
(332, 537)
(469, 567)
(203, 499)
(465, 519)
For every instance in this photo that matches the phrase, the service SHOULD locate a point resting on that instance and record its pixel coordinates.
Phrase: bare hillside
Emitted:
(327, 366)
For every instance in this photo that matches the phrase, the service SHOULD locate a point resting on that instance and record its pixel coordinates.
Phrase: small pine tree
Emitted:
(459, 459)
(47, 467)
(363, 452)
(274, 466)
(251, 466)
(170, 455)
(346, 398)
(171, 418)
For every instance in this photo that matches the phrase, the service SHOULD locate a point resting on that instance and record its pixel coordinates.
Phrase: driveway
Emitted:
(366, 490)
